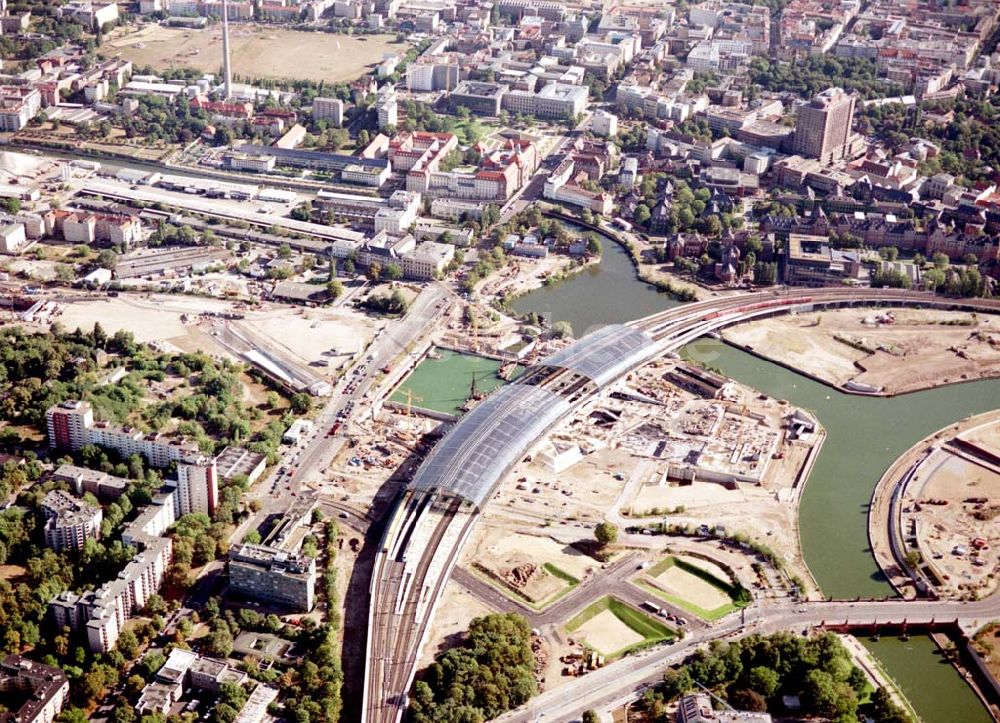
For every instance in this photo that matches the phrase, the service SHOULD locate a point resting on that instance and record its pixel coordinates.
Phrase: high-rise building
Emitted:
(69, 424)
(387, 107)
(197, 486)
(329, 109)
(823, 128)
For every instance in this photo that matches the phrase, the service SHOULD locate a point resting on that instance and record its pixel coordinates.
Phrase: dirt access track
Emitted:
(923, 348)
(257, 51)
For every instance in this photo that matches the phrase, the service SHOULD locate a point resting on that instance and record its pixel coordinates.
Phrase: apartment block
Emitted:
(69, 521)
(197, 486)
(102, 613)
(18, 105)
(44, 689)
(330, 110)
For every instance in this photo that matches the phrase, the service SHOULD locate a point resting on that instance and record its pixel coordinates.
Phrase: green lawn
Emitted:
(737, 593)
(651, 629)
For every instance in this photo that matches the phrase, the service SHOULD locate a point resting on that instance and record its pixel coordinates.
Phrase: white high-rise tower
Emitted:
(226, 68)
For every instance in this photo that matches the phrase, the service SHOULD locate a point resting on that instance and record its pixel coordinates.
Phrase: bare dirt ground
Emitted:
(524, 274)
(12, 573)
(257, 51)
(501, 551)
(606, 633)
(309, 335)
(949, 525)
(922, 349)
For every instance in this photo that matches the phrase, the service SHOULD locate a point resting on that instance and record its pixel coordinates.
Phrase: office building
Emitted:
(99, 484)
(823, 128)
(479, 98)
(556, 101)
(44, 689)
(69, 522)
(272, 575)
(330, 110)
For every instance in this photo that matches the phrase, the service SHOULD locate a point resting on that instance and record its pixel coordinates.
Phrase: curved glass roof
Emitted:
(487, 442)
(482, 447)
(605, 354)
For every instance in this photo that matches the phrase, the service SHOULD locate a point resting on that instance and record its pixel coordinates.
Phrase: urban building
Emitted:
(197, 486)
(12, 238)
(428, 260)
(556, 101)
(810, 261)
(823, 128)
(18, 105)
(330, 110)
(44, 689)
(604, 124)
(272, 575)
(69, 521)
(480, 98)
(387, 107)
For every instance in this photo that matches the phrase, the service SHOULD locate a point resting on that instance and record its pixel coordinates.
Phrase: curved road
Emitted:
(426, 532)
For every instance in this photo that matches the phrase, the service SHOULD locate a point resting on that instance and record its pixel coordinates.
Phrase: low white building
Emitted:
(300, 429)
(604, 124)
(13, 238)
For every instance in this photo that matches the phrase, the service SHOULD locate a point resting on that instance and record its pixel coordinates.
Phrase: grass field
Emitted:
(257, 51)
(649, 631)
(687, 587)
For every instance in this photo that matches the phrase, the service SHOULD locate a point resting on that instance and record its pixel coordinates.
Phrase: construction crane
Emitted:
(410, 398)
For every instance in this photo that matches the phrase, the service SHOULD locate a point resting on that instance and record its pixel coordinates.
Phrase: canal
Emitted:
(864, 436)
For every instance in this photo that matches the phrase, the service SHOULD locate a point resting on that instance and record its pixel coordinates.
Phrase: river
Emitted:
(865, 434)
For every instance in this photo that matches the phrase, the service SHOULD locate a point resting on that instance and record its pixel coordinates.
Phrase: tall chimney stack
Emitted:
(227, 69)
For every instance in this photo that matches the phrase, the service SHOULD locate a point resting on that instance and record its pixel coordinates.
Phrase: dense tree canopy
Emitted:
(491, 672)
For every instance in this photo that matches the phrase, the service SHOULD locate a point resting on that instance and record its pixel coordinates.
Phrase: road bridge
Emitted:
(448, 492)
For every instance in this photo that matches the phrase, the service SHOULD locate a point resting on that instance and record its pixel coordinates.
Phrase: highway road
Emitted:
(307, 461)
(625, 678)
(666, 331)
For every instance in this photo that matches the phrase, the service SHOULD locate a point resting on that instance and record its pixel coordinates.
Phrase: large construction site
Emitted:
(878, 351)
(946, 508)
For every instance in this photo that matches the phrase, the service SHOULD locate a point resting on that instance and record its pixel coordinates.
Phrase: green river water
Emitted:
(865, 435)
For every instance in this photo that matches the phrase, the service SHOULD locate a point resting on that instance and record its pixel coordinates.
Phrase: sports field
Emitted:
(613, 628)
(698, 587)
(257, 51)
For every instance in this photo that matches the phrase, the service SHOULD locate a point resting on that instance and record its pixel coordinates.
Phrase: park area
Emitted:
(698, 586)
(257, 51)
(613, 628)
